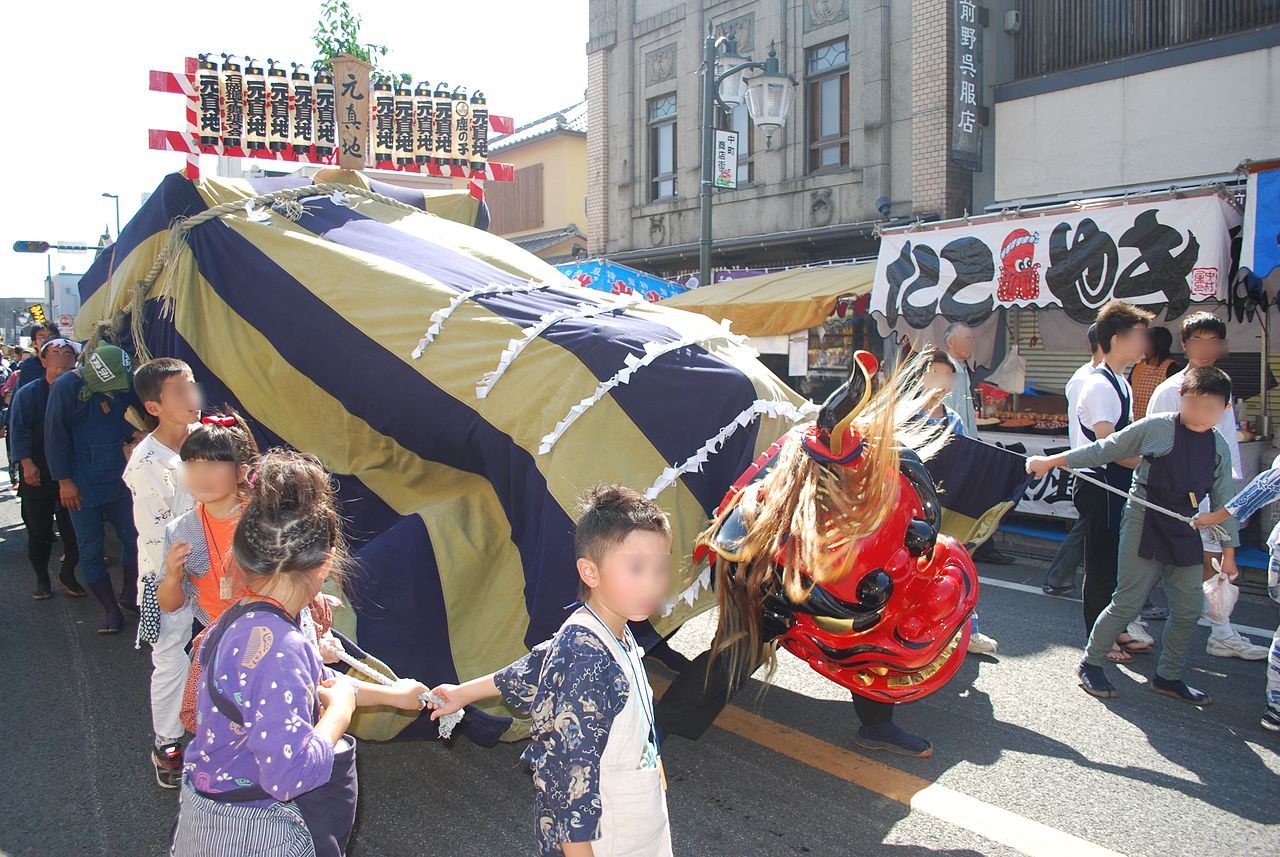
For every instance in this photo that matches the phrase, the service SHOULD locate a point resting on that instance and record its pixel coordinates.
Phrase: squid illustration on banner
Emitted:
(1166, 252)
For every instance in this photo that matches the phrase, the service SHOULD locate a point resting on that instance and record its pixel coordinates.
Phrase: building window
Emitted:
(662, 147)
(740, 121)
(827, 89)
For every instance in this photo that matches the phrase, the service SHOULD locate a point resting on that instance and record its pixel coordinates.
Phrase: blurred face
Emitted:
(632, 578)
(57, 360)
(211, 481)
(1203, 348)
(938, 380)
(1131, 345)
(961, 343)
(180, 400)
(40, 338)
(1201, 413)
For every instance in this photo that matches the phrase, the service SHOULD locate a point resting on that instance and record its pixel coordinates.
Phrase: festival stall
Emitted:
(605, 276)
(1031, 283)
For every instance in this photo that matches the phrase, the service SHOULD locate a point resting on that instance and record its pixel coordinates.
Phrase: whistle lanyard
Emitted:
(646, 701)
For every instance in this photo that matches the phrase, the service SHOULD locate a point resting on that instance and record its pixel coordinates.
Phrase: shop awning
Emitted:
(1261, 250)
(779, 303)
(607, 276)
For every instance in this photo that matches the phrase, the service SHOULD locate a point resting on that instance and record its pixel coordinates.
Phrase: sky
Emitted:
(528, 65)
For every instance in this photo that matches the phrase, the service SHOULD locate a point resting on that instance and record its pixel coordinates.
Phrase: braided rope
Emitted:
(1217, 532)
(444, 725)
(291, 207)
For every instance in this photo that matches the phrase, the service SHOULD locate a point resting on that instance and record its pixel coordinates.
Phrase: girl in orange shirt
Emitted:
(217, 457)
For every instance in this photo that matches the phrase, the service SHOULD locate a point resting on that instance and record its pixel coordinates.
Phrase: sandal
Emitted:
(1118, 655)
(1132, 646)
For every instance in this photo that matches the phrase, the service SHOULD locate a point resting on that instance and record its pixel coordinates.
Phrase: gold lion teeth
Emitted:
(865, 678)
(882, 671)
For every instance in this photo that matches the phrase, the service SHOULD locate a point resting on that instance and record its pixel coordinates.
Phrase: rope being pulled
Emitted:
(1217, 532)
(288, 203)
(445, 723)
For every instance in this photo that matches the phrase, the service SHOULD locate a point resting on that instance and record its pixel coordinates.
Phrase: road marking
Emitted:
(946, 804)
(1035, 590)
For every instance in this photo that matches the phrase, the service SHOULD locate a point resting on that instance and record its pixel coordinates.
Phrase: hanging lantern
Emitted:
(255, 106)
(278, 108)
(303, 110)
(424, 142)
(769, 96)
(443, 155)
(461, 127)
(232, 97)
(326, 135)
(479, 131)
(383, 121)
(404, 124)
(210, 108)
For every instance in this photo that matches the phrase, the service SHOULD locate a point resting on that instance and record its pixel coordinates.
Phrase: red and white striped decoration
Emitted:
(188, 142)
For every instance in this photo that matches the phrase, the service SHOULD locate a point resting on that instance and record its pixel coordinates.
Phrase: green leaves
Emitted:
(338, 32)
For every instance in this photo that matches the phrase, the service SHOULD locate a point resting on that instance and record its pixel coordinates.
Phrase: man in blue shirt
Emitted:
(32, 367)
(37, 491)
(85, 434)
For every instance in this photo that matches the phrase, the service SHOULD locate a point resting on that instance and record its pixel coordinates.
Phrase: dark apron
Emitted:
(1115, 475)
(330, 810)
(1188, 468)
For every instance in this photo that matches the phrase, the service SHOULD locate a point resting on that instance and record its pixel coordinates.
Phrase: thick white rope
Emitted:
(1217, 532)
(445, 724)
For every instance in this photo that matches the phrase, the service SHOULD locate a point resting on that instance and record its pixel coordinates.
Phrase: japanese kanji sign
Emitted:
(966, 128)
(1161, 254)
(726, 159)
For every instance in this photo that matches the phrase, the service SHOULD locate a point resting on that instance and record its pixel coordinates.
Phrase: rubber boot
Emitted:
(67, 577)
(44, 590)
(129, 590)
(114, 621)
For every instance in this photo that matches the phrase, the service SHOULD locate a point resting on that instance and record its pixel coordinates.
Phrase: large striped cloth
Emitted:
(458, 468)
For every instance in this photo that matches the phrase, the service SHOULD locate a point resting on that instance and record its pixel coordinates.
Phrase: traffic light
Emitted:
(31, 246)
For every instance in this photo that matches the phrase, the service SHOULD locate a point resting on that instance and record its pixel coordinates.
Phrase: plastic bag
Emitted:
(1220, 596)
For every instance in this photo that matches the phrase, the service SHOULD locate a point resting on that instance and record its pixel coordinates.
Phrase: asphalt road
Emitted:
(1025, 762)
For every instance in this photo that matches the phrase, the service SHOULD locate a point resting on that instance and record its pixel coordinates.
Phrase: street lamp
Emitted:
(116, 197)
(768, 97)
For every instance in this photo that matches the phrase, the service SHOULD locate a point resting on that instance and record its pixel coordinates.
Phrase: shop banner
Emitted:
(966, 131)
(1050, 495)
(1162, 254)
(1261, 250)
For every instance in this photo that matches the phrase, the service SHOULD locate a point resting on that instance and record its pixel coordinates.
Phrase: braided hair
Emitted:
(292, 522)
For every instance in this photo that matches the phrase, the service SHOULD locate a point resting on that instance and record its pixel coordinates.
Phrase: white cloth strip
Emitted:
(438, 317)
(694, 463)
(632, 364)
(517, 345)
(445, 724)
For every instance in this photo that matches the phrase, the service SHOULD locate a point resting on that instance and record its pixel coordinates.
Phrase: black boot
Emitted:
(129, 590)
(114, 621)
(67, 577)
(43, 590)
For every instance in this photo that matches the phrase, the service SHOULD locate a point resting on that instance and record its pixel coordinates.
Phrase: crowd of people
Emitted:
(226, 552)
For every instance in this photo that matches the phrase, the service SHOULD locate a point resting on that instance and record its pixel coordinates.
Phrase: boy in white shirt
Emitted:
(1204, 340)
(168, 391)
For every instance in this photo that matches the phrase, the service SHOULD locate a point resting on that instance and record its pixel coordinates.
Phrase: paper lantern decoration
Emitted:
(326, 135)
(303, 104)
(479, 131)
(461, 126)
(255, 106)
(210, 112)
(424, 124)
(278, 137)
(404, 145)
(383, 121)
(443, 155)
(232, 97)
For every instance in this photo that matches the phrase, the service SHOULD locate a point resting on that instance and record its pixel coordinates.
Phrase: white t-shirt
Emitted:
(153, 475)
(1167, 399)
(1098, 402)
(1073, 397)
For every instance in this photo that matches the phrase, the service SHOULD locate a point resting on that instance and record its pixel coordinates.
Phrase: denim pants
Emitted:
(90, 527)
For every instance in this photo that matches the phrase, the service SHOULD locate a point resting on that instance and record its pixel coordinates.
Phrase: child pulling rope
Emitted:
(445, 723)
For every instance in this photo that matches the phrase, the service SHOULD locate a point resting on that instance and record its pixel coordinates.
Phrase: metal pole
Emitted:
(708, 152)
(117, 201)
(1264, 416)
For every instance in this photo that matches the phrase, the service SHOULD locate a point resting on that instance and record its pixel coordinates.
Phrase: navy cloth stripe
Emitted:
(973, 477)
(347, 363)
(698, 392)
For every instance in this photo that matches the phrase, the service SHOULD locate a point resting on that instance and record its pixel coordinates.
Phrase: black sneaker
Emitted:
(891, 738)
(167, 761)
(1271, 719)
(1094, 681)
(1180, 690)
(42, 593)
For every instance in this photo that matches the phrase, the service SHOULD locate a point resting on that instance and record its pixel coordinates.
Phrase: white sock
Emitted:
(161, 741)
(1221, 630)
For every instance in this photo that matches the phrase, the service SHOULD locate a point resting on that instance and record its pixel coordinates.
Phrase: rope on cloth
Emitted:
(445, 724)
(255, 208)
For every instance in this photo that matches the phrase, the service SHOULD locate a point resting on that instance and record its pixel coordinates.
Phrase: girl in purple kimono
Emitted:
(270, 769)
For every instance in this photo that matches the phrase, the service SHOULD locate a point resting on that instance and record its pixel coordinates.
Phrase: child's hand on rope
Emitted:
(1205, 520)
(1039, 465)
(454, 700)
(329, 647)
(176, 561)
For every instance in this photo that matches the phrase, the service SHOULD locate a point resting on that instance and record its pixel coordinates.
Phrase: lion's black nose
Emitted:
(920, 538)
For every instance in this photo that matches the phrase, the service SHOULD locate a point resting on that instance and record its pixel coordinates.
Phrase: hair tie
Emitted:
(218, 420)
